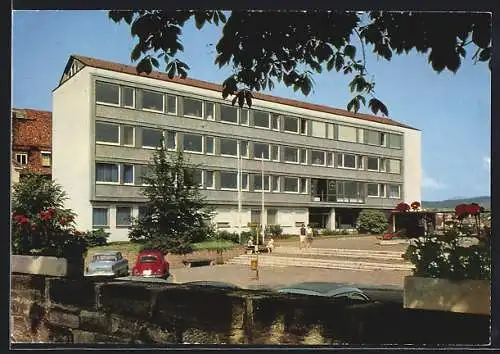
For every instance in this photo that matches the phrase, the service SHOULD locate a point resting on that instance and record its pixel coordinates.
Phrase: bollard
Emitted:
(254, 266)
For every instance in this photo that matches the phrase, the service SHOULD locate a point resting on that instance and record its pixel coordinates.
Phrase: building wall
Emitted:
(72, 144)
(412, 166)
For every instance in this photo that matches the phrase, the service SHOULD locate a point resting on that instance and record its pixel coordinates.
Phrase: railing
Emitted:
(330, 198)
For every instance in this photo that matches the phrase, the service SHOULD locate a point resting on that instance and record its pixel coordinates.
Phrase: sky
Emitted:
(451, 110)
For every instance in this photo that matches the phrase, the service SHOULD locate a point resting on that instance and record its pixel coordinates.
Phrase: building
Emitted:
(322, 165)
(31, 141)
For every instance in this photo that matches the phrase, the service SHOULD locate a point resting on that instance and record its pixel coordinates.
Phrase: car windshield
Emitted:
(148, 259)
(104, 258)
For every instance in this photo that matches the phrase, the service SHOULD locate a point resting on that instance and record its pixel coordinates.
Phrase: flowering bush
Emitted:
(415, 205)
(446, 256)
(402, 207)
(40, 225)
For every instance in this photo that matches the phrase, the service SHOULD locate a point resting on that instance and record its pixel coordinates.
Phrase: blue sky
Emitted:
(451, 110)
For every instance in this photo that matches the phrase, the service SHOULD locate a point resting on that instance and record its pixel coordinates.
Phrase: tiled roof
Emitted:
(31, 128)
(129, 69)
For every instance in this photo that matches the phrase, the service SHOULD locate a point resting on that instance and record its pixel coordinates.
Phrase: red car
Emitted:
(151, 263)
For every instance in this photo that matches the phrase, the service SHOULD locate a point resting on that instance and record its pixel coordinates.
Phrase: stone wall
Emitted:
(47, 309)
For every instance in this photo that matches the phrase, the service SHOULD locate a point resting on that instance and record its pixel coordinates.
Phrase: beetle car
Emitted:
(151, 263)
(107, 263)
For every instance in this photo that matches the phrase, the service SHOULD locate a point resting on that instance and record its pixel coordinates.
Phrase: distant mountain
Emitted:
(484, 201)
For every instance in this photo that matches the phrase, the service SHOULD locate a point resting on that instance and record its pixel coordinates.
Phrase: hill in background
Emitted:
(484, 201)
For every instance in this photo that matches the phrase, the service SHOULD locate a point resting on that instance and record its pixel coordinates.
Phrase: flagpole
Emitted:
(239, 192)
(262, 187)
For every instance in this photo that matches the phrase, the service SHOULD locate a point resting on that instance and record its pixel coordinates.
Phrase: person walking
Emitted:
(302, 237)
(310, 236)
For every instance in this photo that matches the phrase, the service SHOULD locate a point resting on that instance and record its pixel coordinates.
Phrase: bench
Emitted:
(198, 262)
(261, 249)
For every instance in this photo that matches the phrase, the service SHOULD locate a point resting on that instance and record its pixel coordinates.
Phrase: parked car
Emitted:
(151, 263)
(107, 263)
(325, 289)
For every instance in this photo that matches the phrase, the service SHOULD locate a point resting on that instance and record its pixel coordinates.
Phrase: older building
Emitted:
(32, 141)
(322, 165)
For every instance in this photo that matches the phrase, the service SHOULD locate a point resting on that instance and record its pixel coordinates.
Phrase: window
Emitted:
(275, 121)
(330, 131)
(228, 147)
(275, 183)
(193, 143)
(171, 140)
(46, 158)
(346, 133)
(244, 117)
(257, 182)
(382, 190)
(346, 160)
(372, 137)
(229, 114)
(209, 145)
(394, 166)
(393, 190)
(228, 180)
(128, 97)
(100, 217)
(383, 165)
(128, 135)
(142, 212)
(303, 126)
(275, 153)
(318, 157)
(383, 141)
(329, 158)
(372, 189)
(196, 174)
(271, 216)
(152, 100)
(123, 216)
(255, 216)
(209, 179)
(291, 154)
(193, 108)
(244, 148)
(395, 141)
(151, 137)
(303, 185)
(303, 156)
(209, 111)
(22, 158)
(106, 172)
(372, 163)
(261, 119)
(244, 181)
(107, 133)
(360, 162)
(128, 174)
(291, 124)
(171, 104)
(291, 184)
(318, 129)
(260, 150)
(143, 171)
(107, 93)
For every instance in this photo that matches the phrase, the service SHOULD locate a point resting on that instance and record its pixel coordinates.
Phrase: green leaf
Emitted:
(351, 104)
(485, 54)
(241, 98)
(339, 62)
(136, 52)
(144, 66)
(200, 19)
(154, 61)
(350, 51)
(376, 106)
(233, 102)
(248, 97)
(330, 64)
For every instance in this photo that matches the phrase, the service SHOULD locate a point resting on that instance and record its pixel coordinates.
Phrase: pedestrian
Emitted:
(270, 245)
(310, 236)
(302, 237)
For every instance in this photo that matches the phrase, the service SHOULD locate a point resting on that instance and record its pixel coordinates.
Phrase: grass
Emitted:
(214, 245)
(126, 246)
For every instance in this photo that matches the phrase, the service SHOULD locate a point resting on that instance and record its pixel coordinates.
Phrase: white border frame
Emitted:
(176, 104)
(227, 155)
(123, 176)
(226, 188)
(202, 108)
(107, 142)
(190, 151)
(119, 226)
(298, 185)
(205, 179)
(154, 110)
(228, 122)
(107, 103)
(107, 163)
(142, 138)
(25, 154)
(324, 158)
(133, 135)
(268, 183)
(284, 155)
(298, 125)
(44, 152)
(260, 157)
(134, 103)
(107, 226)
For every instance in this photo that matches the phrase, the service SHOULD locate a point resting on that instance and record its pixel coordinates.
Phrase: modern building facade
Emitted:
(31, 142)
(321, 165)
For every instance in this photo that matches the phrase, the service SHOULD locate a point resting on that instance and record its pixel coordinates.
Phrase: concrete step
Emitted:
(337, 252)
(279, 261)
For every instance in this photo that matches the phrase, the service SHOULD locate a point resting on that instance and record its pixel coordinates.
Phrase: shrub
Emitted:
(372, 221)
(274, 230)
(245, 236)
(97, 237)
(227, 236)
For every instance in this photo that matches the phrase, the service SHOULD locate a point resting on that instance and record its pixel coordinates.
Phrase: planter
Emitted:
(463, 296)
(393, 242)
(45, 265)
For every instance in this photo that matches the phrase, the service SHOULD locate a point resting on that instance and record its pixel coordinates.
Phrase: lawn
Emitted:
(132, 247)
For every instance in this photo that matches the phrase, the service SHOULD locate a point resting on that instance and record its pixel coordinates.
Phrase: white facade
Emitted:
(75, 153)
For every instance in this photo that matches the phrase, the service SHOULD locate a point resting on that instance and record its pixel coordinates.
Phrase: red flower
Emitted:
(473, 209)
(402, 207)
(461, 210)
(21, 219)
(62, 221)
(45, 215)
(415, 205)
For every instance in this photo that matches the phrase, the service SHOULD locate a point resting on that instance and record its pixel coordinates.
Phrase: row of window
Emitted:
(112, 94)
(228, 180)
(194, 143)
(45, 158)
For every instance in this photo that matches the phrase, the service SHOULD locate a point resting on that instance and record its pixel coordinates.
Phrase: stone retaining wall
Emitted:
(45, 309)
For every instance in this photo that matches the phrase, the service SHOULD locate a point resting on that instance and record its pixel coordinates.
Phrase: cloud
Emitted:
(487, 162)
(431, 183)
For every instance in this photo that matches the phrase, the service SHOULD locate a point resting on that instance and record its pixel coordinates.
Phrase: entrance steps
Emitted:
(340, 253)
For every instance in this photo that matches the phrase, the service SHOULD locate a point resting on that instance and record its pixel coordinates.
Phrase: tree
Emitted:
(289, 47)
(175, 214)
(40, 224)
(372, 221)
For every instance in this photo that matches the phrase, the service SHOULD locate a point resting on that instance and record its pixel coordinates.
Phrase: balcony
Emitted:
(332, 198)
